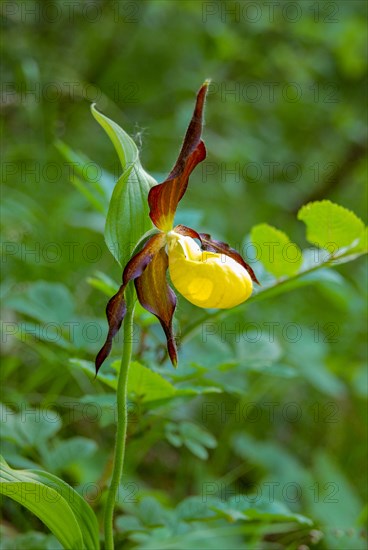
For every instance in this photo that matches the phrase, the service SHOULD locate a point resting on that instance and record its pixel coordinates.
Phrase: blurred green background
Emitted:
(285, 124)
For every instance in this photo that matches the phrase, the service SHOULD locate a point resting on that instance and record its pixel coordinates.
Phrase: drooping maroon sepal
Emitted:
(156, 296)
(163, 199)
(115, 313)
(217, 246)
(116, 307)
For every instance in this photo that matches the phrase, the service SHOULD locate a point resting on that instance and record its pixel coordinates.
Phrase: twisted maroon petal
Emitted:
(156, 296)
(218, 246)
(116, 308)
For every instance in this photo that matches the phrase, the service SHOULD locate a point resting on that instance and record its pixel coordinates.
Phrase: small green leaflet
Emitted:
(331, 226)
(278, 254)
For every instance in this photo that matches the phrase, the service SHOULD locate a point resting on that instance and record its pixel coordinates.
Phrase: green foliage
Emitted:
(127, 218)
(331, 226)
(97, 192)
(145, 385)
(193, 437)
(58, 506)
(274, 247)
(203, 521)
(280, 382)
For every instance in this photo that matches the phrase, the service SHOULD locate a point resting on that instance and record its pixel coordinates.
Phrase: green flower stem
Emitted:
(121, 428)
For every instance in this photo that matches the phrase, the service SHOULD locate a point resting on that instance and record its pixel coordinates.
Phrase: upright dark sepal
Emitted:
(163, 199)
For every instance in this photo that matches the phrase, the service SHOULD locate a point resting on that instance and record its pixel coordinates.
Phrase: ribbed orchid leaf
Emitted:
(127, 219)
(55, 503)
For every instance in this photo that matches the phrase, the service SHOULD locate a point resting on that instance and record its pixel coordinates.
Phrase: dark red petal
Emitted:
(156, 296)
(163, 199)
(140, 261)
(116, 308)
(115, 313)
(217, 246)
(187, 232)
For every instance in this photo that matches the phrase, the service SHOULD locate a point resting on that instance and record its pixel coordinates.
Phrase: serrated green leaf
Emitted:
(165, 391)
(55, 503)
(278, 254)
(239, 507)
(251, 507)
(147, 385)
(331, 226)
(127, 218)
(143, 383)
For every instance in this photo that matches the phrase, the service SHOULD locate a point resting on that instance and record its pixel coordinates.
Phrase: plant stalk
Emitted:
(121, 428)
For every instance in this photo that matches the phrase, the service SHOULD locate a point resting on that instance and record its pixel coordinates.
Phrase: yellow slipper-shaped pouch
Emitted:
(206, 279)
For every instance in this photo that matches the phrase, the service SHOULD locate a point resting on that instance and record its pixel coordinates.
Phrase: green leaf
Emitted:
(309, 359)
(194, 437)
(251, 507)
(90, 179)
(89, 368)
(335, 503)
(32, 429)
(144, 383)
(147, 385)
(31, 540)
(104, 283)
(331, 226)
(278, 254)
(127, 218)
(55, 503)
(240, 507)
(65, 454)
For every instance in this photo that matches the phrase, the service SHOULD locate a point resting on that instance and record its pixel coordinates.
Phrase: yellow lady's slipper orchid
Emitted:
(206, 279)
(209, 274)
